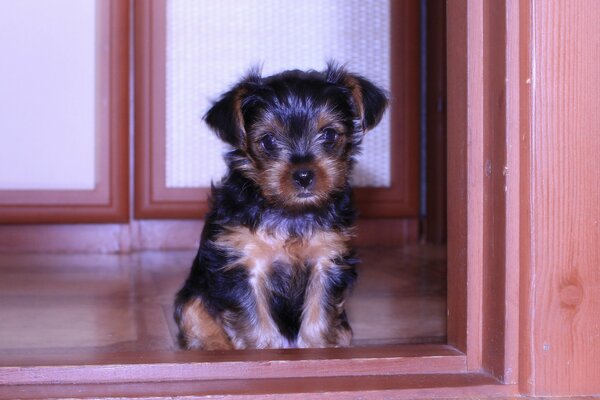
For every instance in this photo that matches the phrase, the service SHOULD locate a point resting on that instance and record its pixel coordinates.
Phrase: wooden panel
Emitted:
(475, 165)
(172, 366)
(564, 287)
(457, 174)
(154, 200)
(501, 336)
(525, 117)
(494, 183)
(101, 238)
(109, 201)
(166, 234)
(367, 387)
(502, 197)
(482, 195)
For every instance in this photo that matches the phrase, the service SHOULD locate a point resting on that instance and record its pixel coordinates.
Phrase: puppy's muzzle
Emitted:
(304, 178)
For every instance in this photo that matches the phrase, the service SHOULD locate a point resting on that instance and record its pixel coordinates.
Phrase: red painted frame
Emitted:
(109, 201)
(488, 248)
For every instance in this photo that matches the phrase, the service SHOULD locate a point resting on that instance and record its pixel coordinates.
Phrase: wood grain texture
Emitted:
(507, 366)
(475, 167)
(362, 387)
(564, 342)
(457, 173)
(108, 318)
(525, 265)
(109, 200)
(466, 165)
(482, 195)
(494, 187)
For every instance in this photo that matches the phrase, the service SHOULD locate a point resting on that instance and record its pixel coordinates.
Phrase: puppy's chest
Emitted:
(260, 251)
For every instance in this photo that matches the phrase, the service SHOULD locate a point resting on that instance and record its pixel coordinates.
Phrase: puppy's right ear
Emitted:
(226, 118)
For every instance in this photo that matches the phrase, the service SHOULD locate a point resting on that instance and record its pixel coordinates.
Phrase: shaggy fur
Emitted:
(275, 264)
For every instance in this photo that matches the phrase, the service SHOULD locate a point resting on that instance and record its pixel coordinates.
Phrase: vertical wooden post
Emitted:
(560, 345)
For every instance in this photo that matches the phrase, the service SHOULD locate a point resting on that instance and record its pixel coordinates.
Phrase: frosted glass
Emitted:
(211, 44)
(47, 94)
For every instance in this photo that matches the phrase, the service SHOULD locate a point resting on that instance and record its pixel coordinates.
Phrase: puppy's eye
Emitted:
(329, 136)
(269, 143)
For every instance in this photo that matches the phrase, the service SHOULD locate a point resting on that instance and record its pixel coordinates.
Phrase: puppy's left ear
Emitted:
(369, 100)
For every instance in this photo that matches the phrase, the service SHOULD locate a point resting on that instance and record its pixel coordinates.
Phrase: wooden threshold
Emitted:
(247, 364)
(474, 385)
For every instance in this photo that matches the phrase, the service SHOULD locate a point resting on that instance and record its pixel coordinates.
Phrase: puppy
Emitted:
(275, 264)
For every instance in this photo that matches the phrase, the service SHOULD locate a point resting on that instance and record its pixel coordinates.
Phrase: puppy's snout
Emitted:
(304, 178)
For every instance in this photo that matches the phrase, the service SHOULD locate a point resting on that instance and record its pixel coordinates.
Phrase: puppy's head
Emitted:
(295, 133)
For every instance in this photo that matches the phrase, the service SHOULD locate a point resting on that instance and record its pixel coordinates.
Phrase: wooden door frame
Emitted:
(109, 200)
(491, 349)
(484, 201)
(498, 236)
(481, 357)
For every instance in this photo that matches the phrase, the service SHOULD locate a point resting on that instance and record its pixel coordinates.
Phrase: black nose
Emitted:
(304, 178)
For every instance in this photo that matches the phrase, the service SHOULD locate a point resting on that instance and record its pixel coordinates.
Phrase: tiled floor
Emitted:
(57, 305)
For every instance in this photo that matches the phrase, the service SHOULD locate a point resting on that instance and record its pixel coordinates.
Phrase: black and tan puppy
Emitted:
(275, 265)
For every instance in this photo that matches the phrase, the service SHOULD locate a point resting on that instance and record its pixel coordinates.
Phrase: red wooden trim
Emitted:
(526, 303)
(143, 106)
(165, 234)
(477, 269)
(507, 367)
(457, 173)
(100, 238)
(483, 229)
(475, 166)
(155, 200)
(152, 198)
(476, 385)
(435, 228)
(470, 210)
(109, 201)
(495, 247)
(562, 286)
(494, 180)
(249, 364)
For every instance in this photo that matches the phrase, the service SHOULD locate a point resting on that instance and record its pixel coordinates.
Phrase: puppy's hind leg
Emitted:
(198, 329)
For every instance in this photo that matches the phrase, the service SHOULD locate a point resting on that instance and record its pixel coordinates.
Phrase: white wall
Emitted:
(47, 94)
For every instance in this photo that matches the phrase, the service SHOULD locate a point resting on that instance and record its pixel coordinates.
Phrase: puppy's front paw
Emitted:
(335, 336)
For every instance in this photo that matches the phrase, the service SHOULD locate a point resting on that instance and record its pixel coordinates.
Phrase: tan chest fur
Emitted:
(259, 250)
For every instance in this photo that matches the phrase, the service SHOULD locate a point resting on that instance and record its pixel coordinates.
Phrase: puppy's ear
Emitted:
(226, 118)
(369, 100)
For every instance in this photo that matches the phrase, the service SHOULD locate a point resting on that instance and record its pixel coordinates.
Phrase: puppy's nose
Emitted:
(304, 178)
